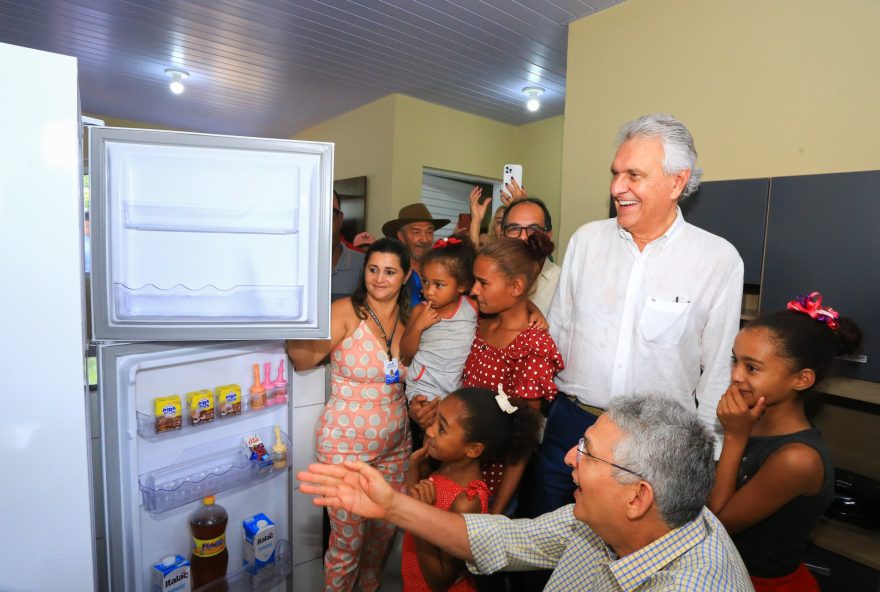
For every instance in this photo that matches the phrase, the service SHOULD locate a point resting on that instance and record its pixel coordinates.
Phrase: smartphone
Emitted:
(464, 222)
(512, 171)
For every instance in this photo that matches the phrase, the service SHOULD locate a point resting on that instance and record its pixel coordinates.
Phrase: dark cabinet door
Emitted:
(736, 211)
(823, 234)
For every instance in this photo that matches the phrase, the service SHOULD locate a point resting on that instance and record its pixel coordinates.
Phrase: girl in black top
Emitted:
(774, 478)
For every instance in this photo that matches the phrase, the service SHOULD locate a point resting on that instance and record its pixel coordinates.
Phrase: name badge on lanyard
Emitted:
(392, 371)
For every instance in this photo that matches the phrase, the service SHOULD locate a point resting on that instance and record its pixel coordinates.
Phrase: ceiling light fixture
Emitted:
(533, 92)
(177, 78)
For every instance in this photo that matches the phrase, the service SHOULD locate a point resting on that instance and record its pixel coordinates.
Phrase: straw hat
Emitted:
(417, 212)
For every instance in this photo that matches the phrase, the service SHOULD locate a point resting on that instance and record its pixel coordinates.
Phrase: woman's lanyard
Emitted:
(392, 372)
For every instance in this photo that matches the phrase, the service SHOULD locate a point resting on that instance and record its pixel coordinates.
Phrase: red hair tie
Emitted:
(445, 242)
(812, 305)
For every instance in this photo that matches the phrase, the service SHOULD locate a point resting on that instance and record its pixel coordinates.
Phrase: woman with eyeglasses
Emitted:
(507, 350)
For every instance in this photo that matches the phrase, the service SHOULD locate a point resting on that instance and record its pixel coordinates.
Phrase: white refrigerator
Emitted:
(207, 252)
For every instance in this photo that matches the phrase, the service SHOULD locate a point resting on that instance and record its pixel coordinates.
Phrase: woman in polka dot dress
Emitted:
(366, 417)
(506, 350)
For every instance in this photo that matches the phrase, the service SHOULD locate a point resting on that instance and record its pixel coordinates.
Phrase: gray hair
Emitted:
(679, 152)
(670, 448)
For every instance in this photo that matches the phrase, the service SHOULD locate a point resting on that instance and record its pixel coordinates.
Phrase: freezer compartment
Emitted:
(191, 217)
(197, 236)
(243, 579)
(150, 302)
(212, 468)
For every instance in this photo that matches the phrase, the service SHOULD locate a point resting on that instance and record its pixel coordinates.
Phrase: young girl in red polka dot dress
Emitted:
(473, 425)
(506, 350)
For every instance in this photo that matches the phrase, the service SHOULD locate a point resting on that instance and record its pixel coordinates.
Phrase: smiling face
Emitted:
(525, 215)
(598, 498)
(384, 276)
(493, 290)
(418, 238)
(446, 438)
(644, 195)
(440, 288)
(758, 371)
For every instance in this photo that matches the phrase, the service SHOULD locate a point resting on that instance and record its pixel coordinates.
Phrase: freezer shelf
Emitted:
(146, 424)
(188, 480)
(211, 218)
(241, 580)
(236, 303)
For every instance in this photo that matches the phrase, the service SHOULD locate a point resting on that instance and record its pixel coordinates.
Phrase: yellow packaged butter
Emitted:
(168, 413)
(201, 406)
(229, 399)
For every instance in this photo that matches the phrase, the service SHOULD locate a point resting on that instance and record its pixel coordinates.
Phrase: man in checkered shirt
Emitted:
(643, 472)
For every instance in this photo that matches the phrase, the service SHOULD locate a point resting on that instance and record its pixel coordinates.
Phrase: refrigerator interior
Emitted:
(153, 481)
(196, 229)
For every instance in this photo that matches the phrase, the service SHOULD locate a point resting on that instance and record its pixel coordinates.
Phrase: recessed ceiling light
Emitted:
(533, 92)
(177, 78)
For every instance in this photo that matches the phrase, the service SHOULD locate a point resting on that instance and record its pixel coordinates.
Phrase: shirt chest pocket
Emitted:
(663, 321)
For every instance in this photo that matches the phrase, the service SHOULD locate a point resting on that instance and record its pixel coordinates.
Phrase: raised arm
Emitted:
(359, 488)
(793, 470)
(308, 353)
(479, 206)
(421, 318)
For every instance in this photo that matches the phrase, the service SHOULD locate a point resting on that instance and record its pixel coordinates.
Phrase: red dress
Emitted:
(447, 490)
(525, 368)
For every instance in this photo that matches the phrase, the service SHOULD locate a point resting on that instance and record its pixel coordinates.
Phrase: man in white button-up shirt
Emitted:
(646, 302)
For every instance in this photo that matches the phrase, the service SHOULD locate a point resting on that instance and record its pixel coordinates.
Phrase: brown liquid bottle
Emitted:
(209, 555)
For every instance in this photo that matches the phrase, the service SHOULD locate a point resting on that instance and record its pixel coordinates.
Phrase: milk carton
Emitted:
(171, 575)
(259, 542)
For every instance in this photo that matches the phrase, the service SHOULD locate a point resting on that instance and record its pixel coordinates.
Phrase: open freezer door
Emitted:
(206, 237)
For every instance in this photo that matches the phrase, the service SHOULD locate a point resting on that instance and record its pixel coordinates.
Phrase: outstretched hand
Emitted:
(353, 486)
(737, 417)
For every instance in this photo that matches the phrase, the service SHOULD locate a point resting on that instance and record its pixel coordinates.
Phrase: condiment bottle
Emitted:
(257, 391)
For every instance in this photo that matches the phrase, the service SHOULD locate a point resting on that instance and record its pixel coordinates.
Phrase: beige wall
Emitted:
(392, 139)
(364, 147)
(767, 88)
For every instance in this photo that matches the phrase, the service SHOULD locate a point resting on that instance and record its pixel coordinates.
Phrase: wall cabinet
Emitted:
(822, 234)
(737, 211)
(817, 233)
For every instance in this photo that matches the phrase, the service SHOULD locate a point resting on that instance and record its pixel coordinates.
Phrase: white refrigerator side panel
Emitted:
(44, 436)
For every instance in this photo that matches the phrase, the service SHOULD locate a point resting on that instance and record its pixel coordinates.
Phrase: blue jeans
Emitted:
(551, 484)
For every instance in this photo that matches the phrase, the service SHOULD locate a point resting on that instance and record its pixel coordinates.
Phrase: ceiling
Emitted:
(275, 67)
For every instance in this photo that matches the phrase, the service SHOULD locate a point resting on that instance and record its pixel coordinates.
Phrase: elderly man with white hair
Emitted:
(645, 301)
(642, 474)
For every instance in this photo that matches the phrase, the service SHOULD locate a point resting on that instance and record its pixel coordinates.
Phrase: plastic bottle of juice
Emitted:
(209, 555)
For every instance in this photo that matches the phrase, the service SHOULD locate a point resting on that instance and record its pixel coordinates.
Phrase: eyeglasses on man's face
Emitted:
(583, 452)
(515, 230)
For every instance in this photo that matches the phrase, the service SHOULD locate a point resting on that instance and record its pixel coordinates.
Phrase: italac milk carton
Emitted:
(171, 575)
(259, 542)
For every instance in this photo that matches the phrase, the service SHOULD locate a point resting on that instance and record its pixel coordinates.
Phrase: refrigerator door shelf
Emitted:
(197, 474)
(151, 303)
(146, 424)
(264, 579)
(211, 218)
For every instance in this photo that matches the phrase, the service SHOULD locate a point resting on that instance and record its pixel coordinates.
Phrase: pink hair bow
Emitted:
(812, 305)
